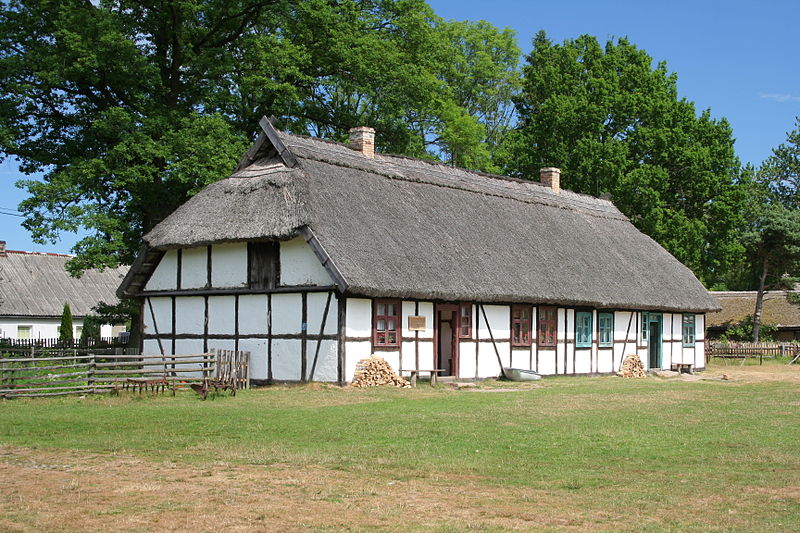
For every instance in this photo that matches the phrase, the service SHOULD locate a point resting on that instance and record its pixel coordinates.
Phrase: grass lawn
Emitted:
(575, 454)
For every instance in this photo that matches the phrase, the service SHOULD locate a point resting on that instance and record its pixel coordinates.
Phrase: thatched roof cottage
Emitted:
(313, 255)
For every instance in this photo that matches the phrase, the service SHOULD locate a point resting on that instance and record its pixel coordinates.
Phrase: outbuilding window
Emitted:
(386, 323)
(583, 329)
(520, 325)
(547, 330)
(688, 330)
(605, 329)
(465, 321)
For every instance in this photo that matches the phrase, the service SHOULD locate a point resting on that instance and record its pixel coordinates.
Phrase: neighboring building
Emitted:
(738, 305)
(314, 255)
(35, 286)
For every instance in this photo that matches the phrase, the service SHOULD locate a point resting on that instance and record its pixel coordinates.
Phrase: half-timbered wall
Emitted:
(198, 299)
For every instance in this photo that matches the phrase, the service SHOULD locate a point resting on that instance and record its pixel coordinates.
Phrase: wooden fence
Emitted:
(92, 373)
(92, 342)
(744, 350)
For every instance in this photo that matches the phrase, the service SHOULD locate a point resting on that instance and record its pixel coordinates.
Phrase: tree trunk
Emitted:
(759, 301)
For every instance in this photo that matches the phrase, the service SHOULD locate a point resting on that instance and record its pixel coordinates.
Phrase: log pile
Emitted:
(632, 367)
(374, 372)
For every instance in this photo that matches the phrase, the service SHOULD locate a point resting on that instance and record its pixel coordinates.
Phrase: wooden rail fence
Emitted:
(92, 373)
(745, 350)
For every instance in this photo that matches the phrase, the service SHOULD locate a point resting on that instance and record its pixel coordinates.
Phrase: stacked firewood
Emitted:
(375, 371)
(632, 367)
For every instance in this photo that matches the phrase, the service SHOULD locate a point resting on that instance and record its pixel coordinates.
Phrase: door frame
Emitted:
(454, 351)
(655, 318)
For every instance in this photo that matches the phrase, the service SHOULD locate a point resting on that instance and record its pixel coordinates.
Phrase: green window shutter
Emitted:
(688, 330)
(583, 329)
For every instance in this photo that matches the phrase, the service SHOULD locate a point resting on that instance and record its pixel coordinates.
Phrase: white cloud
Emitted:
(779, 97)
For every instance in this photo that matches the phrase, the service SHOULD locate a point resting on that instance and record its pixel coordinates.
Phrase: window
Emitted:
(24, 332)
(688, 330)
(386, 323)
(583, 329)
(605, 324)
(78, 331)
(465, 321)
(548, 326)
(263, 268)
(645, 325)
(520, 325)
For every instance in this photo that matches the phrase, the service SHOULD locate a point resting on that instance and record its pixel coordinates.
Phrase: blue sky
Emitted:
(737, 58)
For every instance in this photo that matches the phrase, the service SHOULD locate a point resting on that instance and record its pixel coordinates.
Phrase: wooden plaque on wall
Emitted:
(416, 323)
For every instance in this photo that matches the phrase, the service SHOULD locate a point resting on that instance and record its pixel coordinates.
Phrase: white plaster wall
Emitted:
(487, 363)
(150, 347)
(165, 276)
(229, 265)
(499, 317)
(583, 361)
(605, 357)
(407, 356)
(190, 315)
(286, 359)
(547, 361)
(700, 337)
(221, 344)
(521, 358)
(467, 367)
(358, 321)
(327, 362)
(253, 314)
(300, 265)
(258, 356)
(354, 352)
(189, 346)
(162, 309)
(407, 310)
(194, 268)
(221, 315)
(287, 314)
(316, 310)
(426, 355)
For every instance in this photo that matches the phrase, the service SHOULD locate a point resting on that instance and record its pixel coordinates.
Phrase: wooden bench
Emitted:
(434, 372)
(682, 368)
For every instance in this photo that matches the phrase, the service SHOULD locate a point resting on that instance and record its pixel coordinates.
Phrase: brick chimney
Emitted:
(362, 139)
(2, 248)
(551, 177)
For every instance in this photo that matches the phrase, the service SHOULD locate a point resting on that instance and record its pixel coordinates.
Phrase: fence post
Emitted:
(90, 373)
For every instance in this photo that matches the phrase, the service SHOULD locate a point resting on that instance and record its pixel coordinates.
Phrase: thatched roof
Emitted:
(37, 285)
(736, 306)
(400, 227)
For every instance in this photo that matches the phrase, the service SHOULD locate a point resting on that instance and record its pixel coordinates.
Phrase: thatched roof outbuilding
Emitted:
(393, 226)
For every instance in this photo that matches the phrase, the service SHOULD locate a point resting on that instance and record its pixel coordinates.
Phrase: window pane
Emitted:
(516, 333)
(381, 324)
(526, 333)
(380, 338)
(381, 309)
(23, 332)
(391, 338)
(391, 325)
(390, 309)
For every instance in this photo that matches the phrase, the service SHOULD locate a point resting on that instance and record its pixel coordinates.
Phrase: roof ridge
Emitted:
(534, 192)
(46, 254)
(436, 163)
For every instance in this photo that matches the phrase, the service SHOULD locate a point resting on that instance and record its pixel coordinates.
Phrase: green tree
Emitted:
(65, 330)
(614, 124)
(781, 171)
(91, 329)
(128, 108)
(773, 246)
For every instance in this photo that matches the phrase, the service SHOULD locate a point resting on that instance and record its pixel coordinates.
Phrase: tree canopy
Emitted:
(128, 108)
(615, 125)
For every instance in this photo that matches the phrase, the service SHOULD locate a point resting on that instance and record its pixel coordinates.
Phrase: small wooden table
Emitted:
(434, 372)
